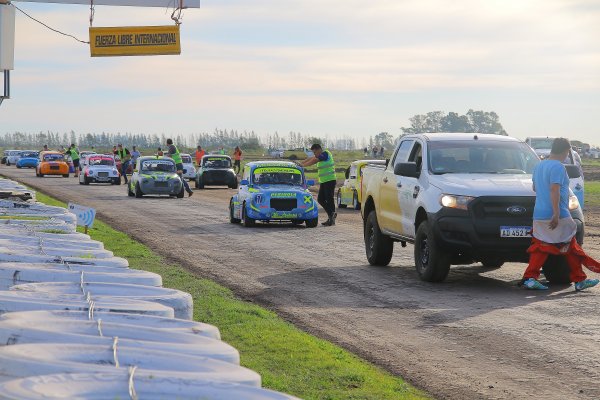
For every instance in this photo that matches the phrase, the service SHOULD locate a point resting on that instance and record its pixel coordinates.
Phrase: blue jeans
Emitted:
(186, 185)
(124, 166)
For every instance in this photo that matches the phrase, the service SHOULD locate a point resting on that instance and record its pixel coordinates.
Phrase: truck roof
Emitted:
(443, 136)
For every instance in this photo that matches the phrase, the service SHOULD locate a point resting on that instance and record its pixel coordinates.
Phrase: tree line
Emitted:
(434, 121)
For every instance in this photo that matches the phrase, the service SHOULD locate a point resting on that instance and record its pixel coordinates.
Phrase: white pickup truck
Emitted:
(459, 198)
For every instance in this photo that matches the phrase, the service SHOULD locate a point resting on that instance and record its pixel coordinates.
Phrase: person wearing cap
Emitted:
(327, 180)
(125, 157)
(173, 152)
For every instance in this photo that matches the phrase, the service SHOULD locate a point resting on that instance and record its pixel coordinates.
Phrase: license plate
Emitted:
(515, 231)
(54, 167)
(103, 174)
(161, 184)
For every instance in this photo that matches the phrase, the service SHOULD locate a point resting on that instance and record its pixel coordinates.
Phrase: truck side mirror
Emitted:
(408, 169)
(573, 171)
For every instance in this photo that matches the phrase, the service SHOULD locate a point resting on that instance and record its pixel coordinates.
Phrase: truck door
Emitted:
(409, 189)
(390, 206)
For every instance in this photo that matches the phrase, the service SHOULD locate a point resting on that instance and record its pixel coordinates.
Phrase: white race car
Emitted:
(100, 168)
(12, 156)
(188, 167)
(83, 156)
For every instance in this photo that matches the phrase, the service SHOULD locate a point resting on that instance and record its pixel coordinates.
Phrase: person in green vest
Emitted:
(74, 154)
(327, 180)
(173, 152)
(125, 157)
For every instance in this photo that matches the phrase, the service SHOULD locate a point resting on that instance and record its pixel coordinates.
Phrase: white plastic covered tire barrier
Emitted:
(129, 385)
(100, 333)
(46, 250)
(17, 274)
(36, 240)
(181, 302)
(24, 360)
(52, 224)
(22, 301)
(22, 231)
(7, 255)
(136, 321)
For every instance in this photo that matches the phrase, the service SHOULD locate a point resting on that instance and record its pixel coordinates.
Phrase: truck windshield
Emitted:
(541, 143)
(481, 157)
(158, 166)
(277, 176)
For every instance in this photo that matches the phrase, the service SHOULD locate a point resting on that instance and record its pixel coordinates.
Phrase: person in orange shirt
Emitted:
(237, 159)
(199, 154)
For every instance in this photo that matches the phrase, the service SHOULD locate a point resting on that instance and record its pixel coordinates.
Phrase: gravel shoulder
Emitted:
(476, 336)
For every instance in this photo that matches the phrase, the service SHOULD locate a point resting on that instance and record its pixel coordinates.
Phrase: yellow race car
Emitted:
(350, 192)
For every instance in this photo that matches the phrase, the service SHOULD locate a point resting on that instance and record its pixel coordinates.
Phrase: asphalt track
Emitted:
(476, 336)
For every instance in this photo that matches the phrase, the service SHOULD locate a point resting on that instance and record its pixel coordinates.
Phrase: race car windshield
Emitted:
(481, 157)
(29, 155)
(277, 176)
(216, 162)
(158, 166)
(54, 157)
(101, 161)
(186, 159)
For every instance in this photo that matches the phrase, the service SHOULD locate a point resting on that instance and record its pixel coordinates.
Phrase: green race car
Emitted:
(155, 176)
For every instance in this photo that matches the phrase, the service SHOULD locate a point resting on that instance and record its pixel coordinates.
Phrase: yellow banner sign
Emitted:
(135, 41)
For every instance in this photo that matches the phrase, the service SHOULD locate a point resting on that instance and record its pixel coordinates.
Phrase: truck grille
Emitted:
(504, 207)
(283, 204)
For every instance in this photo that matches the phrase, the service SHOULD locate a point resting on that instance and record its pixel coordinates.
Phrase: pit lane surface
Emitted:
(476, 336)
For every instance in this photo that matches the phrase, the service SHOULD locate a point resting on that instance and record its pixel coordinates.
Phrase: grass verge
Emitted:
(592, 193)
(288, 359)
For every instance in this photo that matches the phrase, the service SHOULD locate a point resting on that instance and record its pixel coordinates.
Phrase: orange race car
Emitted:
(52, 163)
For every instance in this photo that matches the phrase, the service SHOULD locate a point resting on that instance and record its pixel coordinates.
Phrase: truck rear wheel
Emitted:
(556, 270)
(355, 202)
(379, 247)
(339, 199)
(432, 263)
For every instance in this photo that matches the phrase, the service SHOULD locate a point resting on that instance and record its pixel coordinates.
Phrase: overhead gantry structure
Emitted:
(119, 37)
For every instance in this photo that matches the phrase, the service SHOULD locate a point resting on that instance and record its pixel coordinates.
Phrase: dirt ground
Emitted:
(476, 336)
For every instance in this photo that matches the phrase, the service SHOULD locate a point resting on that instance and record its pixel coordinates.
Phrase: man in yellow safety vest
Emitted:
(327, 180)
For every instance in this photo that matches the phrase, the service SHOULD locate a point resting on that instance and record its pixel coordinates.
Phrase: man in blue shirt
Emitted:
(552, 221)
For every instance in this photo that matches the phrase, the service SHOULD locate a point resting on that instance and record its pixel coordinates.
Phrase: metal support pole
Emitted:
(6, 94)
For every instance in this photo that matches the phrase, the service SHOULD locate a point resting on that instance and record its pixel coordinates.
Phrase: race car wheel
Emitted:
(138, 191)
(339, 199)
(7, 164)
(379, 247)
(234, 185)
(86, 180)
(232, 218)
(116, 181)
(431, 261)
(181, 193)
(129, 192)
(199, 183)
(297, 222)
(312, 223)
(355, 202)
(246, 220)
(18, 166)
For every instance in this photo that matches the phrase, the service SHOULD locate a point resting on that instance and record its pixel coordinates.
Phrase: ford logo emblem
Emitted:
(516, 210)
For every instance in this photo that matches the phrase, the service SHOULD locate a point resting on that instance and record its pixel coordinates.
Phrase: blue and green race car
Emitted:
(273, 191)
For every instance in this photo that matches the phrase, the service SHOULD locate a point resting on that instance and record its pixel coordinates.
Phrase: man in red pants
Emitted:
(553, 227)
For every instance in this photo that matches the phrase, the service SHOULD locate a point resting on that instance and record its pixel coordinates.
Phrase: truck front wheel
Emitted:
(431, 262)
(379, 247)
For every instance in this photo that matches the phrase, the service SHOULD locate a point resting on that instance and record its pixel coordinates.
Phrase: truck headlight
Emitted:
(573, 202)
(458, 202)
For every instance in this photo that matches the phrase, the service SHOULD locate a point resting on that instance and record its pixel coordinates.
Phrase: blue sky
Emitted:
(325, 68)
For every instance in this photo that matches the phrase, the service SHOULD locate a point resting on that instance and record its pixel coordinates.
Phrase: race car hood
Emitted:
(101, 168)
(484, 184)
(28, 159)
(280, 189)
